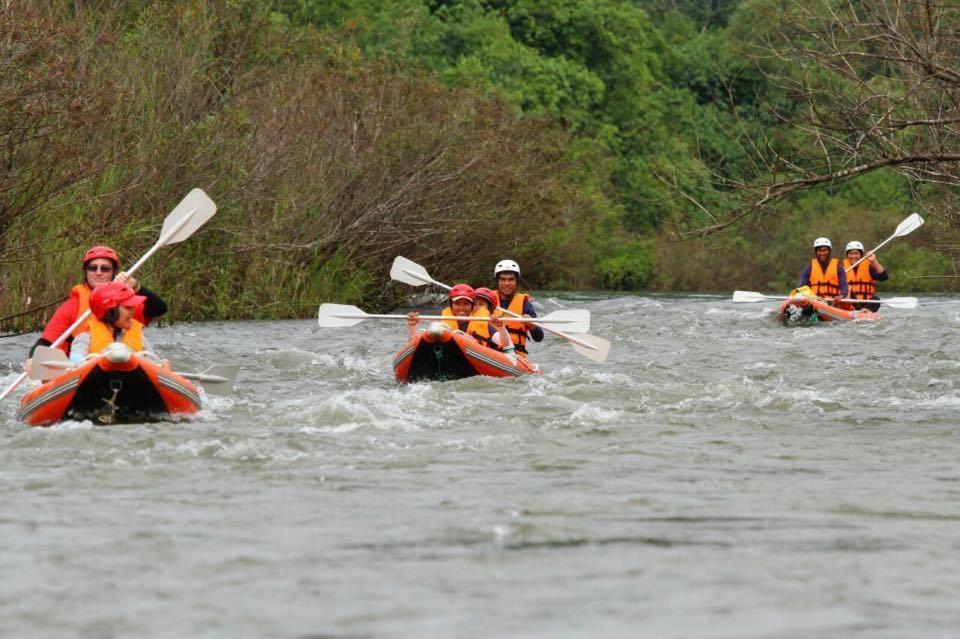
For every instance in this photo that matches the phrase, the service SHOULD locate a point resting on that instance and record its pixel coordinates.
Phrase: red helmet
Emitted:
(112, 295)
(483, 293)
(462, 291)
(101, 251)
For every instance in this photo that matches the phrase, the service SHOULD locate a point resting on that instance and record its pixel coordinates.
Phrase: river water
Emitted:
(719, 476)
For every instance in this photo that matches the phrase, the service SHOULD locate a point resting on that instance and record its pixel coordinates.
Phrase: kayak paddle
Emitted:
(409, 272)
(343, 315)
(49, 363)
(189, 215)
(893, 302)
(908, 226)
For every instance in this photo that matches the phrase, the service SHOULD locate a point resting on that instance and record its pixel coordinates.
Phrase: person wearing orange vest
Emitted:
(823, 274)
(113, 305)
(862, 277)
(463, 303)
(507, 273)
(100, 265)
(486, 306)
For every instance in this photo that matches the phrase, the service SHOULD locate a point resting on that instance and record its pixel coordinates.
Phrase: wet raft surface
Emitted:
(722, 476)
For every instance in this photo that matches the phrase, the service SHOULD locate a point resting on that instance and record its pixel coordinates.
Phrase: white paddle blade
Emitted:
(600, 350)
(48, 363)
(328, 316)
(748, 296)
(574, 320)
(909, 225)
(197, 206)
(218, 379)
(900, 302)
(409, 272)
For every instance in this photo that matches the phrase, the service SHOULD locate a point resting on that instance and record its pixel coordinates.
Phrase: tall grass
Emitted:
(324, 165)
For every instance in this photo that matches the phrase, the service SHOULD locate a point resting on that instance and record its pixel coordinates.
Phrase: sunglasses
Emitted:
(100, 268)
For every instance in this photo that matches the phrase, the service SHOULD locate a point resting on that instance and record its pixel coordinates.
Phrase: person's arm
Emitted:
(62, 318)
(412, 319)
(501, 338)
(152, 308)
(536, 333)
(80, 347)
(804, 277)
(877, 271)
(842, 277)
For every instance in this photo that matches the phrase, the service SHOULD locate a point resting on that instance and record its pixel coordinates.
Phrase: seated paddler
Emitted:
(100, 265)
(863, 276)
(464, 301)
(826, 279)
(113, 306)
(507, 273)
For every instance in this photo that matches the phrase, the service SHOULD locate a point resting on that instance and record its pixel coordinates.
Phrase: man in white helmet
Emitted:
(862, 277)
(823, 274)
(507, 273)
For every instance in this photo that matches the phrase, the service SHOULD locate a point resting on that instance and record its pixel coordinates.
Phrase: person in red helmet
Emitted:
(113, 306)
(100, 265)
(486, 306)
(464, 301)
(460, 300)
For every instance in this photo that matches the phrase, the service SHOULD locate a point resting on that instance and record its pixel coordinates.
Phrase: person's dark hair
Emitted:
(112, 315)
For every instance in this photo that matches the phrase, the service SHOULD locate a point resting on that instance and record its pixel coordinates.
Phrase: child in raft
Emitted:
(112, 305)
(464, 301)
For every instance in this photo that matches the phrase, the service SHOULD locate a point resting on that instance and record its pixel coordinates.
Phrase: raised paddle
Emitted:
(49, 363)
(908, 226)
(343, 315)
(409, 272)
(189, 215)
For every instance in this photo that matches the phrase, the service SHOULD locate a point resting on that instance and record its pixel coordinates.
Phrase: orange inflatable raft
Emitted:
(110, 391)
(441, 354)
(813, 310)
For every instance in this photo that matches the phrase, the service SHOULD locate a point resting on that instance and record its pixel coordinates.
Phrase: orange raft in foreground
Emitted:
(441, 354)
(812, 310)
(111, 389)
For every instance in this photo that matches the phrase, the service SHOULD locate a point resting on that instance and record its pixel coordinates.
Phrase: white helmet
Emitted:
(822, 241)
(855, 246)
(506, 265)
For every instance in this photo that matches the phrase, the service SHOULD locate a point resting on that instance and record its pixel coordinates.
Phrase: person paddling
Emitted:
(113, 306)
(100, 266)
(823, 275)
(507, 273)
(862, 277)
(486, 306)
(464, 301)
(460, 301)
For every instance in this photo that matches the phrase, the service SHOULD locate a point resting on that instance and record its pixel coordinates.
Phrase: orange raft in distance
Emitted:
(811, 310)
(439, 354)
(110, 389)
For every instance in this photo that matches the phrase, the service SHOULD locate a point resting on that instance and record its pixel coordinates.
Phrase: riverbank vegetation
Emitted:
(579, 138)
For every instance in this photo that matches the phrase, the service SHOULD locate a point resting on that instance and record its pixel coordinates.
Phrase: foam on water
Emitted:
(720, 476)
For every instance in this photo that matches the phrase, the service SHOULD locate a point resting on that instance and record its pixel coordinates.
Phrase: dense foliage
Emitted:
(335, 134)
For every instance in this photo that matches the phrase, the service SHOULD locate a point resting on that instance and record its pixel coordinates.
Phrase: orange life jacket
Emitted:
(476, 329)
(860, 280)
(825, 284)
(82, 293)
(479, 329)
(101, 335)
(517, 330)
